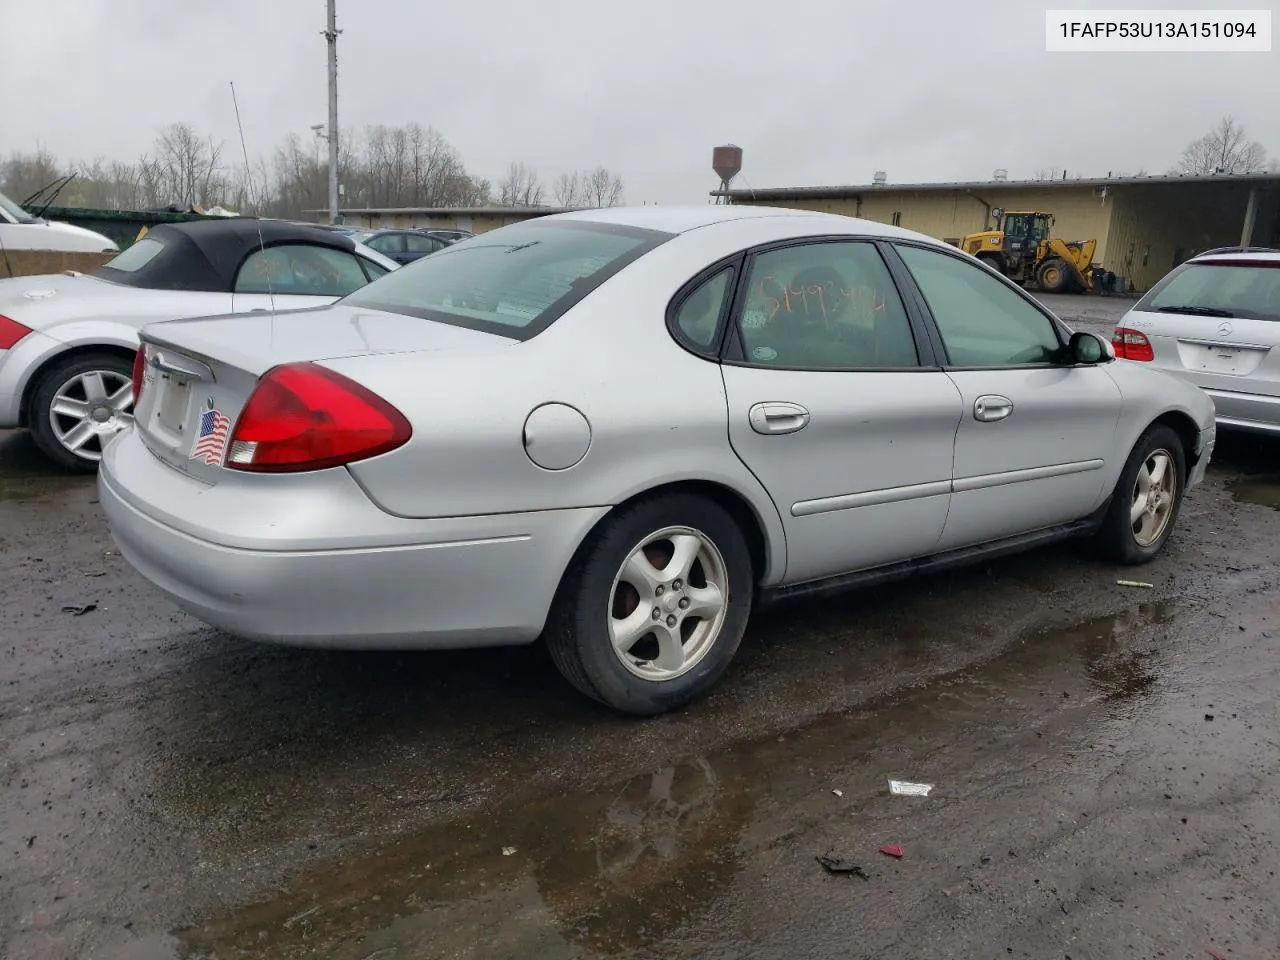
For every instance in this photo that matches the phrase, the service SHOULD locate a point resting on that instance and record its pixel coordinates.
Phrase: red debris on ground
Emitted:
(895, 850)
(1215, 954)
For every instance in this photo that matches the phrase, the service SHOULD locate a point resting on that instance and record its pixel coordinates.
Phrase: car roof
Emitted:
(1240, 254)
(204, 255)
(681, 219)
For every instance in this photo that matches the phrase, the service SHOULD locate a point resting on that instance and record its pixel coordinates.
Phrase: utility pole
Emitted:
(331, 35)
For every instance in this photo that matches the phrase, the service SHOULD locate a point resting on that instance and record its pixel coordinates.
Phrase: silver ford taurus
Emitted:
(621, 430)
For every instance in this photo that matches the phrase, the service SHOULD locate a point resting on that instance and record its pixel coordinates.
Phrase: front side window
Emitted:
(515, 281)
(301, 270)
(1218, 289)
(828, 305)
(982, 321)
(136, 256)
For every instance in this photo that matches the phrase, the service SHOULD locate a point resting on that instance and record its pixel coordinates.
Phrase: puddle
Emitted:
(611, 870)
(1263, 491)
(39, 489)
(25, 473)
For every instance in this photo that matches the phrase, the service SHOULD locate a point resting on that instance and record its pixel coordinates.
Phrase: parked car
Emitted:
(404, 246)
(453, 236)
(1214, 321)
(67, 341)
(620, 429)
(19, 230)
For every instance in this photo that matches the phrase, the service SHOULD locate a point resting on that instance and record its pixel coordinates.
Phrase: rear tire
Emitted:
(652, 611)
(994, 263)
(1146, 500)
(1053, 276)
(93, 394)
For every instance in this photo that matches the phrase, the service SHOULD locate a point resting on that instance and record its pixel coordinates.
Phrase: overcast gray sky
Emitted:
(815, 91)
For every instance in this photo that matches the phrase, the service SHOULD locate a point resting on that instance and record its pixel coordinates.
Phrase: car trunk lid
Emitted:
(1216, 351)
(199, 374)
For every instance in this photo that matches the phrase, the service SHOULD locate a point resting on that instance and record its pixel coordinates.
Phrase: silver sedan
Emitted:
(1215, 322)
(621, 430)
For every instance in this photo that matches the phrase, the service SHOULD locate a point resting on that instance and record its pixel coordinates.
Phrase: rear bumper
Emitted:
(346, 575)
(1246, 411)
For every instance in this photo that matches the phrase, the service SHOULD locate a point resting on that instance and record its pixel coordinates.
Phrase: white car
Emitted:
(21, 231)
(68, 340)
(1215, 322)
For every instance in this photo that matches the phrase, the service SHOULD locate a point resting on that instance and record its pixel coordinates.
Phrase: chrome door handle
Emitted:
(990, 408)
(778, 417)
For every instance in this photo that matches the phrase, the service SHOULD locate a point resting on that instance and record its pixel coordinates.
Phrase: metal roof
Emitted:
(840, 192)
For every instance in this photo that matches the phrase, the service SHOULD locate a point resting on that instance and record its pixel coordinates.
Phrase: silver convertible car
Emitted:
(620, 430)
(67, 340)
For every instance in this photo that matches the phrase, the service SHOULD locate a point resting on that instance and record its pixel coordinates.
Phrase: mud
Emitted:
(168, 792)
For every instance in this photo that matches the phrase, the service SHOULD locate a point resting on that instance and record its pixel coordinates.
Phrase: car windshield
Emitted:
(1219, 289)
(515, 282)
(15, 211)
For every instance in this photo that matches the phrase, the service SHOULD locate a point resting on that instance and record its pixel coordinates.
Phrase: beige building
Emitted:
(1144, 225)
(475, 219)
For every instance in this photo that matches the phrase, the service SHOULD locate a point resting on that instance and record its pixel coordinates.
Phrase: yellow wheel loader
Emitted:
(1022, 249)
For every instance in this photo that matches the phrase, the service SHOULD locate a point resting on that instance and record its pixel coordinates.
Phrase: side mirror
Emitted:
(1089, 348)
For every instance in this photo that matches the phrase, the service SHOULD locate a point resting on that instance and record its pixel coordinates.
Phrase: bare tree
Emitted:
(568, 190)
(1224, 149)
(520, 187)
(189, 166)
(379, 167)
(1043, 173)
(602, 188)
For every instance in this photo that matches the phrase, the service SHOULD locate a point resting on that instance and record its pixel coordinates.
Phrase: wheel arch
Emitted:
(768, 556)
(38, 374)
(1186, 429)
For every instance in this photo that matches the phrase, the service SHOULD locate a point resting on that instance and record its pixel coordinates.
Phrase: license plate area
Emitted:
(175, 403)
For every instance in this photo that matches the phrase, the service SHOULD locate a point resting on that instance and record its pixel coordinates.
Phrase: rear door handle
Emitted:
(778, 417)
(991, 407)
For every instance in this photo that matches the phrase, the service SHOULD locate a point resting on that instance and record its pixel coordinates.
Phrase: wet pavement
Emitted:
(1105, 763)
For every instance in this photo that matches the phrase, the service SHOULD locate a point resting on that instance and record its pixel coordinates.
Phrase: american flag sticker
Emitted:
(211, 442)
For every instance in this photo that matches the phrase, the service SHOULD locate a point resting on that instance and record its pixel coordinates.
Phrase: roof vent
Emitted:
(880, 179)
(1001, 175)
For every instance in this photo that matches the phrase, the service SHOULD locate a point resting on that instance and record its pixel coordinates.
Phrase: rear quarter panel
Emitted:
(658, 414)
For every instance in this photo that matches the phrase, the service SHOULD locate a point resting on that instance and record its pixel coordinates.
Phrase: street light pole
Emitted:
(331, 35)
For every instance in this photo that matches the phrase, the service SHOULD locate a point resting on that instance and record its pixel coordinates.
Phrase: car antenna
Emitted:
(257, 221)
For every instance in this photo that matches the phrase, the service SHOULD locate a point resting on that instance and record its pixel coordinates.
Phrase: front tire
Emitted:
(1146, 501)
(652, 611)
(79, 405)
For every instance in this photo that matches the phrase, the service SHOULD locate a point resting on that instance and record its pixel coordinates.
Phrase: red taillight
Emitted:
(305, 417)
(11, 331)
(1132, 345)
(139, 365)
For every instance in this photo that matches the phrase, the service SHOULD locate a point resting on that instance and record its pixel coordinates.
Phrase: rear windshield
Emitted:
(515, 281)
(1220, 289)
(136, 255)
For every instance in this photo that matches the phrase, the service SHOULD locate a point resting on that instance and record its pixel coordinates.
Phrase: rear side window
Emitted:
(136, 256)
(515, 281)
(300, 270)
(1218, 289)
(698, 317)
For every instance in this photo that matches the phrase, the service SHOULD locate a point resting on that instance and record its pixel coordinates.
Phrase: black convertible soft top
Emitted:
(205, 254)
